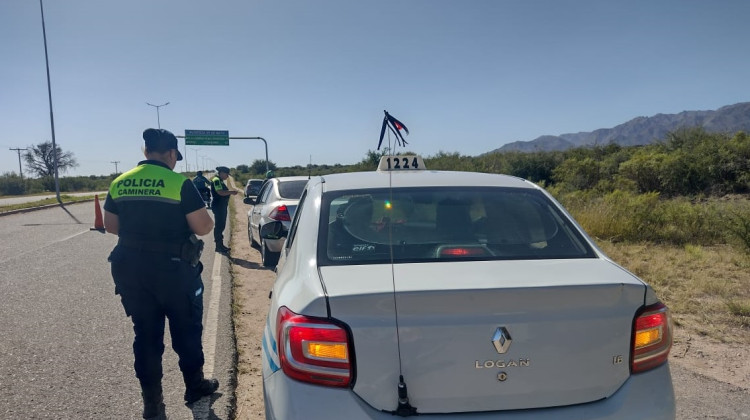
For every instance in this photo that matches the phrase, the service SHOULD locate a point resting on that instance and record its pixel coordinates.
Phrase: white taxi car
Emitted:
(455, 295)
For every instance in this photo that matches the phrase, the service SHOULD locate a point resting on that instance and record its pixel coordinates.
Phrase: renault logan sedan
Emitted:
(454, 295)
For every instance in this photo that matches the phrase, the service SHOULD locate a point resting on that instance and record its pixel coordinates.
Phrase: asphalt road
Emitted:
(65, 341)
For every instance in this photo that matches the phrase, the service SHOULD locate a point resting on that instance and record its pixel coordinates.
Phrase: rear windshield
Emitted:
(254, 187)
(436, 224)
(292, 189)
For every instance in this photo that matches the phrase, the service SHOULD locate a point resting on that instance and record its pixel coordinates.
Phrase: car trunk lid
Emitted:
(562, 330)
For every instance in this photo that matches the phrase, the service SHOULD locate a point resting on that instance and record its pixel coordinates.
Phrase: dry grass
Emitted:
(707, 288)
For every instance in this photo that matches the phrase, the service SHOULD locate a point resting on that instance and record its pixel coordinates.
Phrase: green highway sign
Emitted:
(206, 138)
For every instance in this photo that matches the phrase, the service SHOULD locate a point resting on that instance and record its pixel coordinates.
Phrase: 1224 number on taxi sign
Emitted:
(401, 163)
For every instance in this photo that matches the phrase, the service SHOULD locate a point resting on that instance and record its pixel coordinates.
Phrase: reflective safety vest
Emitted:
(218, 185)
(151, 202)
(147, 182)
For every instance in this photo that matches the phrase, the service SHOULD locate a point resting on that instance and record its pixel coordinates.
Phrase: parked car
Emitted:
(253, 187)
(276, 201)
(463, 295)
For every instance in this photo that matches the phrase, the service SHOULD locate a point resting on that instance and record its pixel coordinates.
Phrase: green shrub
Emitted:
(12, 184)
(625, 216)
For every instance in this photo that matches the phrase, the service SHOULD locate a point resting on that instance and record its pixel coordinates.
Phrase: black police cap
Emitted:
(160, 140)
(223, 169)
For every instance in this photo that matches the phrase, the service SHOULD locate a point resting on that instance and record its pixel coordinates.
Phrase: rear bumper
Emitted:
(647, 395)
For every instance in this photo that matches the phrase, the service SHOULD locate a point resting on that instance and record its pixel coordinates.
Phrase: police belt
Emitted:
(170, 248)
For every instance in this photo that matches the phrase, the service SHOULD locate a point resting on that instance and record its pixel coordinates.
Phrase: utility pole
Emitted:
(20, 172)
(115, 162)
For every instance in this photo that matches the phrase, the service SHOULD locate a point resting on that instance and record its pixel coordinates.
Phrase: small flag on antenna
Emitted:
(395, 126)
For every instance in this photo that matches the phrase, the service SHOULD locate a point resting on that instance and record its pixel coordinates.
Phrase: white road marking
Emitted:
(44, 246)
(212, 319)
(201, 408)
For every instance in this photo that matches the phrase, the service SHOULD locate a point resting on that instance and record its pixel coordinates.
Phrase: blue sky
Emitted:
(313, 76)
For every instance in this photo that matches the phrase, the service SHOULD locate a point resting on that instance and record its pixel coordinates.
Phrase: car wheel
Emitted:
(268, 258)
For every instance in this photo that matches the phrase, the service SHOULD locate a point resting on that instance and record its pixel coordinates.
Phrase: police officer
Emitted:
(156, 266)
(220, 200)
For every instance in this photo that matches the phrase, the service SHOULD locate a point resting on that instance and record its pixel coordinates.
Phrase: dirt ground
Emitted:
(251, 285)
(724, 362)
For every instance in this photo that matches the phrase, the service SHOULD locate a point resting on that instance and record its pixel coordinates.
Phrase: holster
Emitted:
(192, 250)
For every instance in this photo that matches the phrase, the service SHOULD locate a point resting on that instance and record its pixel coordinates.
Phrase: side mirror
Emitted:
(249, 200)
(273, 230)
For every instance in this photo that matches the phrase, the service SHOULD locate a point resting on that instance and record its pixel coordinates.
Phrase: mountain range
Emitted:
(642, 130)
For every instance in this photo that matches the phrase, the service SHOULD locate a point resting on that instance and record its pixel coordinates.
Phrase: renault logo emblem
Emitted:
(501, 340)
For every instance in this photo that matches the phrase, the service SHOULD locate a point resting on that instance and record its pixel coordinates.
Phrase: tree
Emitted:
(258, 166)
(372, 158)
(577, 173)
(40, 159)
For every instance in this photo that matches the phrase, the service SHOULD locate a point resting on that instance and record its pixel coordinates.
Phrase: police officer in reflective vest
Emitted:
(219, 201)
(156, 267)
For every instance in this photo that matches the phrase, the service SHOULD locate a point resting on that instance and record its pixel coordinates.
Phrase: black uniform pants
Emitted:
(154, 287)
(220, 222)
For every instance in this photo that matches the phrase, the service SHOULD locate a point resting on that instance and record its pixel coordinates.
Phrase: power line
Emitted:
(20, 172)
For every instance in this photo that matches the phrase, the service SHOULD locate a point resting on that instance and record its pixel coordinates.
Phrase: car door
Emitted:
(292, 231)
(257, 211)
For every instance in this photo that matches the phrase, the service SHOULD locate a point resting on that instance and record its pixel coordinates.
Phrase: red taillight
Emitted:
(652, 337)
(313, 350)
(280, 213)
(460, 251)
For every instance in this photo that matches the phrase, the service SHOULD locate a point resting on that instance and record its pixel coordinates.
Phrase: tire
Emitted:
(268, 258)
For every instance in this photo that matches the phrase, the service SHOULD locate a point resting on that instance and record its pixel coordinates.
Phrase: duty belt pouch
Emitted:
(192, 250)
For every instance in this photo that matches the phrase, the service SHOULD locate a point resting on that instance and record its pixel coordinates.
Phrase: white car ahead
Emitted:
(276, 201)
(455, 295)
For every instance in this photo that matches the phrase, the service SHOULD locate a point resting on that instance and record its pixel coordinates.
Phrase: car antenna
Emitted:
(404, 409)
(309, 169)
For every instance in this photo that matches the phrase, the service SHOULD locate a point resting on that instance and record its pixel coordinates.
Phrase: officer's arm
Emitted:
(112, 222)
(225, 193)
(221, 189)
(199, 221)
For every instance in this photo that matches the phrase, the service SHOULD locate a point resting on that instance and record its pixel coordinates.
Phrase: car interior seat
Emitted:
(453, 220)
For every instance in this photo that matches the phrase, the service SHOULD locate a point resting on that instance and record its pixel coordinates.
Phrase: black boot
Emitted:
(153, 402)
(197, 387)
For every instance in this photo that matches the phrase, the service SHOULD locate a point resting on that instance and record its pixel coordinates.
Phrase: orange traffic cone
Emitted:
(98, 222)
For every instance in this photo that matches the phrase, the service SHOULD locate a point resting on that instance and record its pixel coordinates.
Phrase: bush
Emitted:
(625, 216)
(738, 224)
(12, 184)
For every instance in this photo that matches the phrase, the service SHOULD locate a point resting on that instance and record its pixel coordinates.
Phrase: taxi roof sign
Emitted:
(401, 163)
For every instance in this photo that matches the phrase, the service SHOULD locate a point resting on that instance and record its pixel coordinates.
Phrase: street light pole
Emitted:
(51, 115)
(158, 120)
(195, 149)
